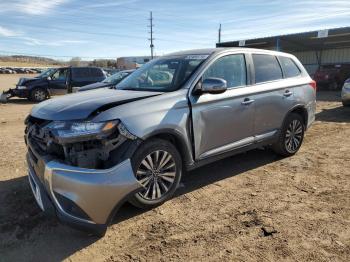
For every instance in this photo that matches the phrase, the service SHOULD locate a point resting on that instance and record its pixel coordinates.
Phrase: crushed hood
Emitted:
(24, 80)
(81, 105)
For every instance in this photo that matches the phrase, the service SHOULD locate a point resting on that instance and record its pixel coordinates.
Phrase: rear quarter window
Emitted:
(80, 72)
(96, 72)
(290, 69)
(266, 68)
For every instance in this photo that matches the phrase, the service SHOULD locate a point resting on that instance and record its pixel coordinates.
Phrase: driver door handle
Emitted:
(247, 101)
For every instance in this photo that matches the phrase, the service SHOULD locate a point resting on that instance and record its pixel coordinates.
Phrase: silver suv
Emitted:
(90, 152)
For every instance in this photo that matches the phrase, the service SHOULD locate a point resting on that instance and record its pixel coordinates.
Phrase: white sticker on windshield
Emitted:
(199, 57)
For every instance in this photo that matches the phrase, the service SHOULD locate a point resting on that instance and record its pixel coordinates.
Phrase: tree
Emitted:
(75, 61)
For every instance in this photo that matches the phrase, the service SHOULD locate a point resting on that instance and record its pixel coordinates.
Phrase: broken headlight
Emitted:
(80, 129)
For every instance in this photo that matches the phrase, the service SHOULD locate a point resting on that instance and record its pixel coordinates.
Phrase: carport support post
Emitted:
(277, 44)
(319, 58)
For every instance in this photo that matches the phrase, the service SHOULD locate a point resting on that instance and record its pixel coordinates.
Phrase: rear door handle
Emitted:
(247, 101)
(288, 93)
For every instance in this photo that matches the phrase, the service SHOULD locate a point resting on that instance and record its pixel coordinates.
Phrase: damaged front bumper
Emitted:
(14, 92)
(82, 197)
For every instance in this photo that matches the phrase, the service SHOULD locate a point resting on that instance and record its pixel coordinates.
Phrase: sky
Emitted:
(112, 28)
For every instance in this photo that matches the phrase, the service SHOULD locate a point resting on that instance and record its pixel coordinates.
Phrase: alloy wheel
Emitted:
(294, 136)
(156, 173)
(39, 95)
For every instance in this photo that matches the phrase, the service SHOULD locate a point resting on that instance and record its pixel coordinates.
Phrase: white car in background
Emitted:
(345, 93)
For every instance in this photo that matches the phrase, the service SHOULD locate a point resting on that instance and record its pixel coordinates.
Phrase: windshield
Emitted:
(47, 72)
(116, 78)
(163, 74)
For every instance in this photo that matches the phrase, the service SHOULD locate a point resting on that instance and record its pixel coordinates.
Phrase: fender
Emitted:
(180, 143)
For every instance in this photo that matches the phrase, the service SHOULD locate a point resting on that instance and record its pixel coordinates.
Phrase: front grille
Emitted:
(31, 120)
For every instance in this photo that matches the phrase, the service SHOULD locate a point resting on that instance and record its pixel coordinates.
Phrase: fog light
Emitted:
(70, 207)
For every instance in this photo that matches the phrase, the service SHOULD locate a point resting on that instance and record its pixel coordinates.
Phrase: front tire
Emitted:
(291, 136)
(38, 95)
(157, 166)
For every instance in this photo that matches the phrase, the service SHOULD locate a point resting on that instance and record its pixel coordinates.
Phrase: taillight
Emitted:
(313, 85)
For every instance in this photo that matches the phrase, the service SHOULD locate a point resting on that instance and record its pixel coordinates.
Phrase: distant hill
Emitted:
(30, 61)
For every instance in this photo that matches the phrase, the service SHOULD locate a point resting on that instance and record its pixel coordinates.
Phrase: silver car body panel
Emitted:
(96, 192)
(207, 125)
(271, 102)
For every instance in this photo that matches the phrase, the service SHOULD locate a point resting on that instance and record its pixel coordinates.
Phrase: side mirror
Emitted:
(49, 78)
(213, 85)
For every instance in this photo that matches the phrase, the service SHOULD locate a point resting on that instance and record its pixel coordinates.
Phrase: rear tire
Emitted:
(291, 136)
(157, 166)
(38, 95)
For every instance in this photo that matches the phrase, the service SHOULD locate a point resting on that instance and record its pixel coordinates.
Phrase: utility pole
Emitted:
(219, 35)
(151, 32)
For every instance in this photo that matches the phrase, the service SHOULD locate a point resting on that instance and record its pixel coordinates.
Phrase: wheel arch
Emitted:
(177, 140)
(300, 110)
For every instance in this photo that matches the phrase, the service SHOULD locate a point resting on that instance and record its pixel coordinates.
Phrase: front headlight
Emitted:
(347, 85)
(73, 129)
(21, 87)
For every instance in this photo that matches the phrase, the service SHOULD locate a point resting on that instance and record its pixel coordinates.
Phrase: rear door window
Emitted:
(266, 67)
(290, 69)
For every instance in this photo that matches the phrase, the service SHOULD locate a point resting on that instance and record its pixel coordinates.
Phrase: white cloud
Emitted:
(31, 7)
(38, 42)
(38, 7)
(7, 32)
(110, 4)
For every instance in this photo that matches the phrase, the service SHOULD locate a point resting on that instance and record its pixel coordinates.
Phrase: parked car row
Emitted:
(20, 70)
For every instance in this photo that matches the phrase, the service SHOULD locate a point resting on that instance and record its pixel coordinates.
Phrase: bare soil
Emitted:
(249, 207)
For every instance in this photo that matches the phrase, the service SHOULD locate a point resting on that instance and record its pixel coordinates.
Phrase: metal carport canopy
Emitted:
(308, 41)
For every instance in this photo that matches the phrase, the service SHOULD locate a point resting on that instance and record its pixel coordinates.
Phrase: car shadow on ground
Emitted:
(328, 96)
(20, 101)
(339, 114)
(21, 221)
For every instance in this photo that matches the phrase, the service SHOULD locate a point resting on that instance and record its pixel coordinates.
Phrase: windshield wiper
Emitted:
(131, 89)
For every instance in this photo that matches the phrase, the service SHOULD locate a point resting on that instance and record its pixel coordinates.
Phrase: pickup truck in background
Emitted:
(54, 81)
(332, 77)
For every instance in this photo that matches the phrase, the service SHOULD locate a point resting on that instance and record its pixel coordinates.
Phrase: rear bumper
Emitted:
(80, 197)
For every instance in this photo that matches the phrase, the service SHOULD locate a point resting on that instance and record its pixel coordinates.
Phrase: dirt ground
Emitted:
(253, 206)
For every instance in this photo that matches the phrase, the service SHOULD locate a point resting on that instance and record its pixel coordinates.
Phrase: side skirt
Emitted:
(236, 151)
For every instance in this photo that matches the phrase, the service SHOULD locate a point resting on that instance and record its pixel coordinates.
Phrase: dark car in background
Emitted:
(332, 77)
(108, 82)
(54, 81)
